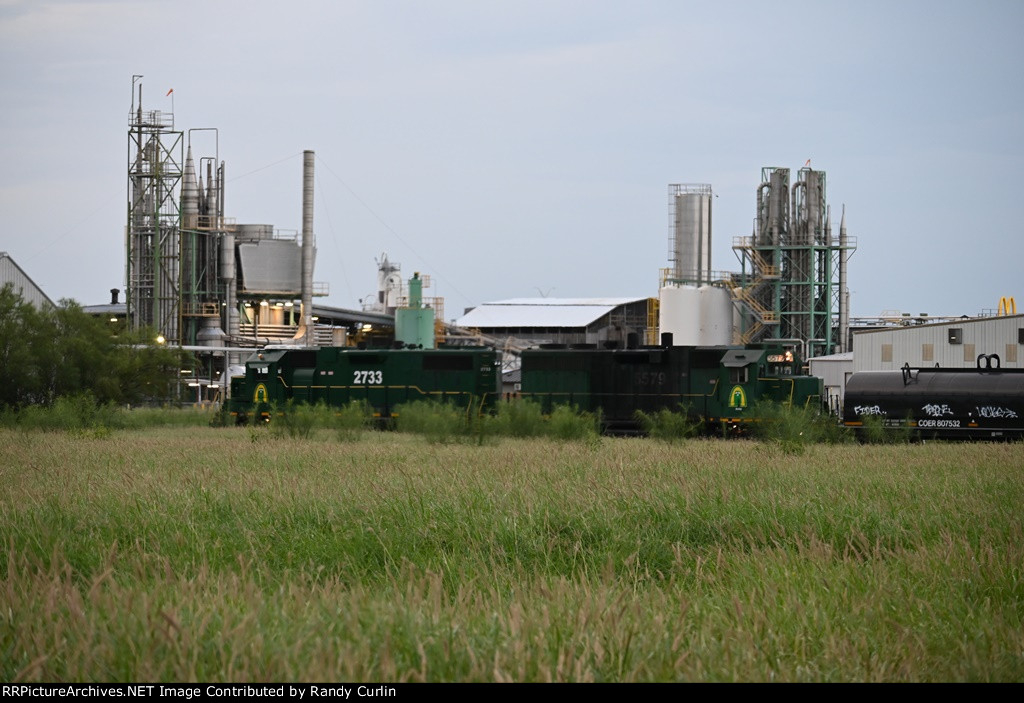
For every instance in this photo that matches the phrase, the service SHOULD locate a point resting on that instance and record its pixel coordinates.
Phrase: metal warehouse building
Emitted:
(597, 321)
(946, 344)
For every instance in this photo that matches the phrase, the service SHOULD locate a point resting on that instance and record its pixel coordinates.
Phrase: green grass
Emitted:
(201, 554)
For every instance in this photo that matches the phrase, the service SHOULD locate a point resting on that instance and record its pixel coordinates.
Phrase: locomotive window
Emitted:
(448, 362)
(738, 374)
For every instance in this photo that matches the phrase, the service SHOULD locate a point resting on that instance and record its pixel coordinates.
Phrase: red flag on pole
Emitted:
(805, 165)
(169, 92)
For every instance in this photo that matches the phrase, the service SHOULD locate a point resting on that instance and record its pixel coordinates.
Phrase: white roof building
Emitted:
(562, 320)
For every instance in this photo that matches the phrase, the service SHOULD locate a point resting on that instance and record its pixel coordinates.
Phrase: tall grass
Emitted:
(443, 423)
(82, 414)
(170, 556)
(519, 417)
(438, 422)
(669, 425)
(793, 429)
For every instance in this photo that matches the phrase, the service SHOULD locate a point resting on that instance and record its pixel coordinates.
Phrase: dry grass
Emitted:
(223, 555)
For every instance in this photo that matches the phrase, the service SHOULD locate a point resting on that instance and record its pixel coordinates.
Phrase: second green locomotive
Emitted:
(724, 388)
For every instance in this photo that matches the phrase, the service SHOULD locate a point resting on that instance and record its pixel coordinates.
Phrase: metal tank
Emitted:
(690, 232)
(679, 313)
(414, 325)
(696, 315)
(773, 206)
(953, 403)
(716, 317)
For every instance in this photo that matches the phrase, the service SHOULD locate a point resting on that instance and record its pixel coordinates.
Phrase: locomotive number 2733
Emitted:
(374, 378)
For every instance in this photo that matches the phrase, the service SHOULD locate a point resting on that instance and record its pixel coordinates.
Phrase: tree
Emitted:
(55, 352)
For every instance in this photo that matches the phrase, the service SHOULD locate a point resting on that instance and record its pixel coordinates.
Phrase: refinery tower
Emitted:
(792, 286)
(196, 278)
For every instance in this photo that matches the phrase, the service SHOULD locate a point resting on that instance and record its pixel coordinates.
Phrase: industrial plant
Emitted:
(222, 290)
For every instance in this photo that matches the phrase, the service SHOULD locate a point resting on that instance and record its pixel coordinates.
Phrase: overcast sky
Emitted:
(519, 149)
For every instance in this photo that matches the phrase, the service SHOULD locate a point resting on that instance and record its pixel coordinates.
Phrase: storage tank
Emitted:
(696, 316)
(679, 314)
(690, 236)
(414, 325)
(716, 316)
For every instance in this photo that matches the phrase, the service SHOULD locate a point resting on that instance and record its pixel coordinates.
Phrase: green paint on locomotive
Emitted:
(384, 378)
(721, 385)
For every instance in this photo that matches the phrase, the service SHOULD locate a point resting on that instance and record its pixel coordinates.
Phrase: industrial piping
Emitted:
(305, 332)
(844, 296)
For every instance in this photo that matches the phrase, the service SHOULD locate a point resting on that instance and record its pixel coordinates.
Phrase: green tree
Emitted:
(51, 353)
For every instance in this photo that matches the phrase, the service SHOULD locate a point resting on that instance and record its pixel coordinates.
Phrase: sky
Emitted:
(526, 149)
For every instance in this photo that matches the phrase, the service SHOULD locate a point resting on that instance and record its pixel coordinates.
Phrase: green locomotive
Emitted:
(722, 387)
(384, 378)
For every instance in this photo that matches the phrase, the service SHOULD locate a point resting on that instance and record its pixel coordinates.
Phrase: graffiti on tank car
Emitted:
(867, 410)
(994, 411)
(936, 410)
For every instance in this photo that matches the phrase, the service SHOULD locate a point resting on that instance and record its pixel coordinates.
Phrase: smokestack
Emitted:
(189, 194)
(307, 245)
(113, 296)
(844, 296)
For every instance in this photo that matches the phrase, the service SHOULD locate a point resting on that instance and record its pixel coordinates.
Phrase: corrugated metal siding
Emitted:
(11, 273)
(892, 348)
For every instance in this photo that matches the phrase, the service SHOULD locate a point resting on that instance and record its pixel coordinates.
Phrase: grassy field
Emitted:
(231, 554)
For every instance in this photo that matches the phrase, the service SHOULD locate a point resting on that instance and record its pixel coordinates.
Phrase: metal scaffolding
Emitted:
(155, 150)
(789, 286)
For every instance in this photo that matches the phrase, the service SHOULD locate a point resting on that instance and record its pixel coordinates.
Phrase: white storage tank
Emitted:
(696, 316)
(717, 315)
